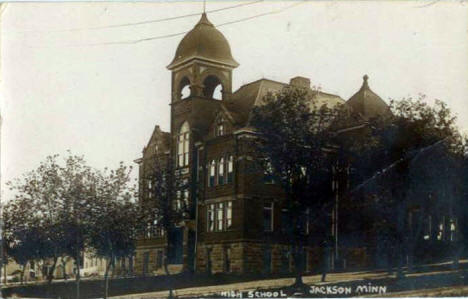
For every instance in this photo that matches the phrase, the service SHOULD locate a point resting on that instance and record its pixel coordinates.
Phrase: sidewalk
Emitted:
(283, 282)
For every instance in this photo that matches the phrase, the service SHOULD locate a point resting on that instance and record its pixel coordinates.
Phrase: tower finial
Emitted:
(364, 83)
(204, 6)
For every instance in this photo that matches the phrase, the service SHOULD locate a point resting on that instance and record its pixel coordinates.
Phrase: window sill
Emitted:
(221, 231)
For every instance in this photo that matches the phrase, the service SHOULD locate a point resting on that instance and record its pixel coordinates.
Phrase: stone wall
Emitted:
(216, 257)
(250, 257)
(153, 267)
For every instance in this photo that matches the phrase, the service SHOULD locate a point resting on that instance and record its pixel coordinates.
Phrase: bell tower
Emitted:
(203, 64)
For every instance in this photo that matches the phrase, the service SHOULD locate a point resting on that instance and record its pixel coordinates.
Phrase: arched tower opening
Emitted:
(213, 88)
(203, 51)
(184, 88)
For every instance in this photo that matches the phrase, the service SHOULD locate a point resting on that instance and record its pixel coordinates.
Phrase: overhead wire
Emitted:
(155, 20)
(184, 32)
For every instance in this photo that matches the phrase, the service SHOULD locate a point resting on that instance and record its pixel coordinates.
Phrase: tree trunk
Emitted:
(64, 269)
(113, 267)
(5, 273)
(298, 267)
(106, 278)
(77, 277)
(130, 265)
(325, 258)
(23, 267)
(400, 254)
(389, 255)
(166, 269)
(50, 274)
(1, 259)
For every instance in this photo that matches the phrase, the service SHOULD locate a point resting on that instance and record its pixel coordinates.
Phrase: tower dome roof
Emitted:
(205, 42)
(367, 103)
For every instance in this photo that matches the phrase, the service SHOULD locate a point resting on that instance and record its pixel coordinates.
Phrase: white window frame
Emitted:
(212, 174)
(219, 216)
(230, 169)
(221, 171)
(211, 218)
(228, 215)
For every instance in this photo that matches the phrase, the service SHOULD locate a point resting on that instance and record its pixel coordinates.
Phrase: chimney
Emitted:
(300, 82)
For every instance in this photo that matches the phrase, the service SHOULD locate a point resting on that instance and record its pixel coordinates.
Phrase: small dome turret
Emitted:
(366, 103)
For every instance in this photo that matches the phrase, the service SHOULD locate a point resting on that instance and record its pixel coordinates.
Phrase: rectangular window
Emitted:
(159, 259)
(284, 261)
(211, 179)
(228, 214)
(220, 216)
(209, 260)
(186, 198)
(227, 259)
(285, 221)
(267, 260)
(145, 262)
(268, 175)
(211, 217)
(221, 171)
(220, 130)
(177, 204)
(148, 231)
(268, 216)
(150, 189)
(230, 169)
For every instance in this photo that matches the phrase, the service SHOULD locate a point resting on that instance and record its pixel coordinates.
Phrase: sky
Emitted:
(69, 84)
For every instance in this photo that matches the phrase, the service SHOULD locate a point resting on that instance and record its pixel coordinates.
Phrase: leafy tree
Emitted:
(62, 210)
(33, 222)
(75, 194)
(48, 218)
(406, 164)
(295, 147)
(114, 218)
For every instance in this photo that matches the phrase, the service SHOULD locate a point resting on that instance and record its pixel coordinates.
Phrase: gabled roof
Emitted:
(249, 96)
(158, 138)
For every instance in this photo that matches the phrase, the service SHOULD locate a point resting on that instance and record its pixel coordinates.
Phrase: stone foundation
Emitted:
(153, 266)
(250, 257)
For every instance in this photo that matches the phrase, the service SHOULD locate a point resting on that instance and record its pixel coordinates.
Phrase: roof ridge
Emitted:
(260, 80)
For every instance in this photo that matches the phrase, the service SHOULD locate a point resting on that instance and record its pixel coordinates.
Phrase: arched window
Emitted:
(183, 145)
(230, 169)
(212, 88)
(218, 92)
(211, 180)
(221, 171)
